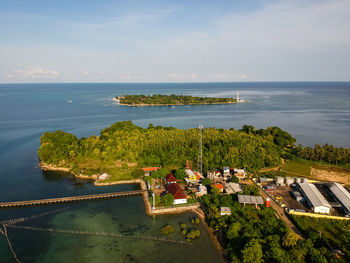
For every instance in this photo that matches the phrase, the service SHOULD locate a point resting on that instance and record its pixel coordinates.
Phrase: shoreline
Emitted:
(195, 208)
(190, 104)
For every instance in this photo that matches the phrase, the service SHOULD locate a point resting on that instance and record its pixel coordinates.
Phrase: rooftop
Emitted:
(341, 194)
(314, 196)
(250, 199)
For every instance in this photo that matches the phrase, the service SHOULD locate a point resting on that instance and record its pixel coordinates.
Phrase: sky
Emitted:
(174, 41)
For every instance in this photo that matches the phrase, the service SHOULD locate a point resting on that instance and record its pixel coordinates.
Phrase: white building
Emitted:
(103, 177)
(240, 173)
(315, 199)
(225, 211)
(202, 190)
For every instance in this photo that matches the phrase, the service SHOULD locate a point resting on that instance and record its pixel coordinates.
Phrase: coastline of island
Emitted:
(172, 100)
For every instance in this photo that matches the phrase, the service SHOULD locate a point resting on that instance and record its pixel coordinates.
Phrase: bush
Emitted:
(168, 229)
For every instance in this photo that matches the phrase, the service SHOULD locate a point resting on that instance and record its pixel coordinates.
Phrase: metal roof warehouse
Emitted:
(341, 194)
(315, 198)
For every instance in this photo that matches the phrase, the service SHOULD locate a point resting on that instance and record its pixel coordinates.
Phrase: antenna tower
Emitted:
(200, 159)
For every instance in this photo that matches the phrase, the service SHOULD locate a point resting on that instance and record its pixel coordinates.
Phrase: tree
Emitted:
(168, 199)
(252, 252)
(290, 239)
(167, 229)
(206, 181)
(234, 179)
(161, 173)
(250, 189)
(233, 230)
(180, 174)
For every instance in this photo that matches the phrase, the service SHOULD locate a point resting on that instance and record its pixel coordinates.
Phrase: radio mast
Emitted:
(200, 159)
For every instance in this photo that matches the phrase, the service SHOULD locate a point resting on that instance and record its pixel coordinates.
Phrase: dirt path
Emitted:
(281, 214)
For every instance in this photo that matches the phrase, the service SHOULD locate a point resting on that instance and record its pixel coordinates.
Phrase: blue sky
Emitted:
(174, 41)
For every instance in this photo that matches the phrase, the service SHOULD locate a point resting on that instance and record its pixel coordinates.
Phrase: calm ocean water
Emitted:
(311, 112)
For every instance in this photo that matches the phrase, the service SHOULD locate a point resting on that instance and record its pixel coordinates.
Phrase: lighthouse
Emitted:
(237, 98)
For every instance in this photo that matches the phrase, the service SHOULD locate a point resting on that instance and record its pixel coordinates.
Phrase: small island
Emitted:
(172, 100)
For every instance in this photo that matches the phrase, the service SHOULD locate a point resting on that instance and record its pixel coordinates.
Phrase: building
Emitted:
(232, 188)
(297, 196)
(148, 170)
(218, 186)
(314, 198)
(103, 177)
(341, 195)
(192, 177)
(225, 211)
(201, 190)
(240, 173)
(270, 188)
(176, 191)
(214, 175)
(250, 199)
(170, 178)
(263, 180)
(226, 171)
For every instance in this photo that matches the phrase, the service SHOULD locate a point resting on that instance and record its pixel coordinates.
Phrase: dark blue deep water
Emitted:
(312, 112)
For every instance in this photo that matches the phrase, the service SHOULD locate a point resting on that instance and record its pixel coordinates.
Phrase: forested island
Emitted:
(168, 100)
(124, 147)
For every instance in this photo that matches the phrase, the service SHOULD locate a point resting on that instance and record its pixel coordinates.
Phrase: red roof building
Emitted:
(218, 186)
(170, 179)
(176, 191)
(150, 169)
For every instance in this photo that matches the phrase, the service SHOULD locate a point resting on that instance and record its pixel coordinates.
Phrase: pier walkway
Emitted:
(70, 199)
(93, 233)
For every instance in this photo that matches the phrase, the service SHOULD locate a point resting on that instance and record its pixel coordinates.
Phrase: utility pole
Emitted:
(200, 159)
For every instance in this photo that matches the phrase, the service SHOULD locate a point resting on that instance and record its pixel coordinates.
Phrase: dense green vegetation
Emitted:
(257, 235)
(158, 99)
(327, 153)
(128, 146)
(326, 232)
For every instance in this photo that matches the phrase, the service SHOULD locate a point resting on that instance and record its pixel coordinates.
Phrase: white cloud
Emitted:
(183, 77)
(33, 73)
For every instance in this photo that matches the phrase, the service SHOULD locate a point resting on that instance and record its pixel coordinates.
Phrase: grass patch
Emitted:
(301, 167)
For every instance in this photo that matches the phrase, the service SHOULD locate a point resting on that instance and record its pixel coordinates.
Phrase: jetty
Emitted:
(70, 199)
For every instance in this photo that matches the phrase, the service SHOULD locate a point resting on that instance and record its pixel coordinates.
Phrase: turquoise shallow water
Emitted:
(312, 112)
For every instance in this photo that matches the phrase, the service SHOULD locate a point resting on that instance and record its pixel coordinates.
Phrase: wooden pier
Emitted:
(70, 199)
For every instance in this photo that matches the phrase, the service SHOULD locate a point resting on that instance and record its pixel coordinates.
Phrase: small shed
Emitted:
(225, 211)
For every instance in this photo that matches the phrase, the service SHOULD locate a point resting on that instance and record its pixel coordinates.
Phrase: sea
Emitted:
(313, 112)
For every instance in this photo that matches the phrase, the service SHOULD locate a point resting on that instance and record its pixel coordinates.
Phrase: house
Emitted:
(170, 178)
(148, 170)
(201, 190)
(226, 171)
(218, 186)
(225, 211)
(103, 177)
(213, 175)
(176, 191)
(192, 177)
(232, 188)
(240, 173)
